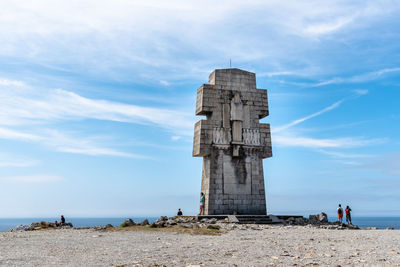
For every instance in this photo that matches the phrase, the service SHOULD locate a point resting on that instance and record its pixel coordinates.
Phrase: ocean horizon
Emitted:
(6, 224)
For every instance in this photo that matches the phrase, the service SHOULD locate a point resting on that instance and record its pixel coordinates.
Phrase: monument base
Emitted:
(244, 219)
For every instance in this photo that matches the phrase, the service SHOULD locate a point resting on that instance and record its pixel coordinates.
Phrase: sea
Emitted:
(8, 223)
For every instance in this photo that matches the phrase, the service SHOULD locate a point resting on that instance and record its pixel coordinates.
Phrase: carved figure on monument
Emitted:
(232, 142)
(237, 118)
(221, 137)
(217, 135)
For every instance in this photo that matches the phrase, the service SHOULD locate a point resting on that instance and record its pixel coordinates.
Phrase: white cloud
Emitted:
(372, 75)
(331, 81)
(361, 91)
(19, 107)
(175, 138)
(36, 178)
(12, 161)
(307, 142)
(123, 40)
(318, 113)
(7, 82)
(345, 155)
(78, 145)
(366, 77)
(328, 27)
(165, 83)
(17, 135)
(276, 73)
(63, 143)
(22, 105)
(348, 162)
(298, 121)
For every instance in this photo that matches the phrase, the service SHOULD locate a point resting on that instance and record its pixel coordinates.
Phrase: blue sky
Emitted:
(97, 103)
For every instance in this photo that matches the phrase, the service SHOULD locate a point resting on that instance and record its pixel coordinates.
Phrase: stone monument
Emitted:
(232, 142)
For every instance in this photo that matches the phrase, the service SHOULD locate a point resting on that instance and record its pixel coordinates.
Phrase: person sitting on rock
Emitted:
(56, 223)
(62, 219)
(340, 213)
(179, 212)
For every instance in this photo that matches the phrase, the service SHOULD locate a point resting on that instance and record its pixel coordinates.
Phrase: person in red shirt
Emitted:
(348, 216)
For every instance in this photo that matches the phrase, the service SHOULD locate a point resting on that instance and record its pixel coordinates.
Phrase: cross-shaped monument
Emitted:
(232, 142)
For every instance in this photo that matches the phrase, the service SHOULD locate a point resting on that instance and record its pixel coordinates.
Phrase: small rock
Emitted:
(128, 222)
(212, 221)
(172, 222)
(145, 222)
(318, 218)
(21, 228)
(213, 227)
(66, 225)
(351, 226)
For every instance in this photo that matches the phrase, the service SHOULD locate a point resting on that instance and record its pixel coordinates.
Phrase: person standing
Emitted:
(62, 221)
(348, 216)
(202, 201)
(340, 213)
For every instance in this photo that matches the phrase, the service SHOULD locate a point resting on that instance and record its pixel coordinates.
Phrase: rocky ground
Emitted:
(236, 245)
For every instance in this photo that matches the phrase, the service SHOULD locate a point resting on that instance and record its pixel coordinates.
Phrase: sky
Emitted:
(97, 103)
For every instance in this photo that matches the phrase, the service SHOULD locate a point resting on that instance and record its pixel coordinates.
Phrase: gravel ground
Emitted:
(260, 246)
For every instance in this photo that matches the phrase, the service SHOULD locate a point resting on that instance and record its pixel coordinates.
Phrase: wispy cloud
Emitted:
(366, 77)
(276, 73)
(78, 145)
(165, 83)
(308, 142)
(34, 179)
(19, 107)
(65, 143)
(318, 113)
(17, 135)
(27, 107)
(298, 121)
(161, 46)
(7, 160)
(7, 82)
(176, 137)
(344, 155)
(330, 26)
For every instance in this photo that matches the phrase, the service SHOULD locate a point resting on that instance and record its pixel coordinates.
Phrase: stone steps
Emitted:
(254, 219)
(244, 219)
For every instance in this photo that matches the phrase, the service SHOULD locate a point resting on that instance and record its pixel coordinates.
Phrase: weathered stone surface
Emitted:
(321, 217)
(232, 142)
